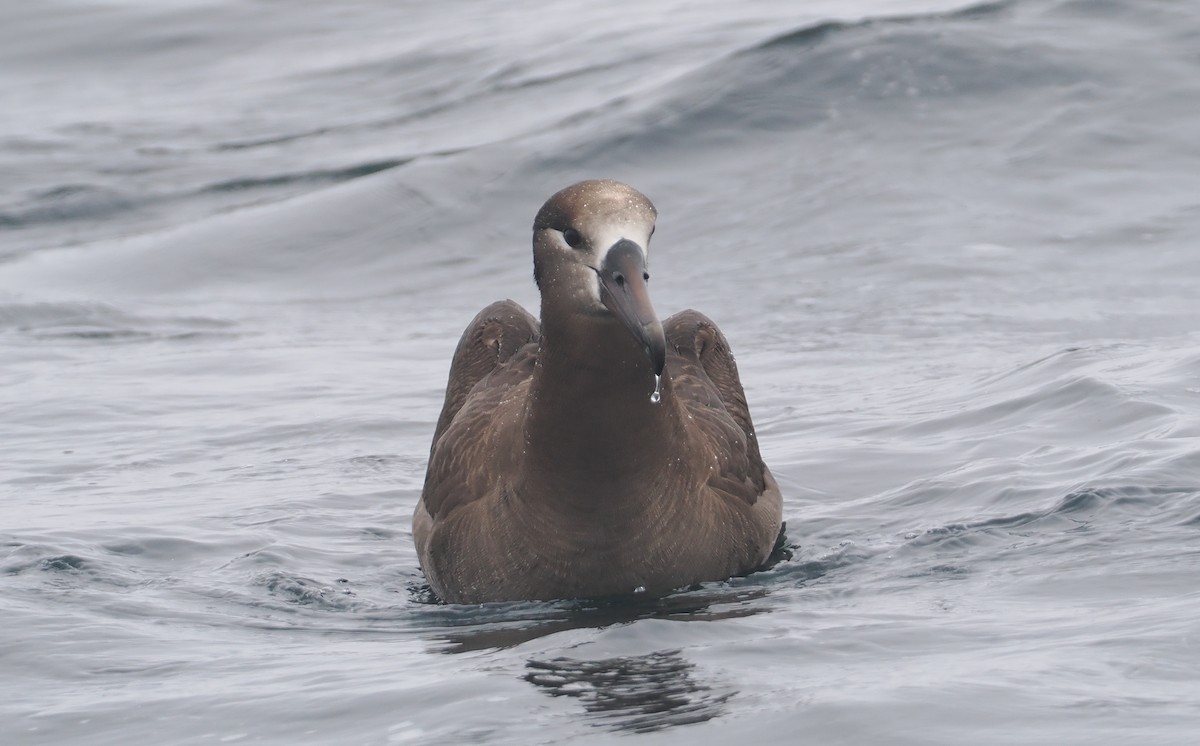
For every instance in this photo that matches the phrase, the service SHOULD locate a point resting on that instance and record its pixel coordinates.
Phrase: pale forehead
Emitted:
(614, 207)
(594, 203)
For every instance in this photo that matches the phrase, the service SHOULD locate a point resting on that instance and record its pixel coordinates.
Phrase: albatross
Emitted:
(601, 452)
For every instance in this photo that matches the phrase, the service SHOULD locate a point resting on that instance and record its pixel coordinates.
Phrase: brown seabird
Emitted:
(602, 452)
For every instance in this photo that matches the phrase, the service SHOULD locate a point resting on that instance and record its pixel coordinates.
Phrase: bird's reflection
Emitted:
(638, 693)
(512, 627)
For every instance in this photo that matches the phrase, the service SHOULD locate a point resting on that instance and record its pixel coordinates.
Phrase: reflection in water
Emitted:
(639, 693)
(513, 624)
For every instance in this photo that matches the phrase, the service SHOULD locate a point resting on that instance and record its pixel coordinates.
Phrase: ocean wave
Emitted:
(66, 203)
(311, 178)
(59, 565)
(889, 68)
(1121, 507)
(101, 322)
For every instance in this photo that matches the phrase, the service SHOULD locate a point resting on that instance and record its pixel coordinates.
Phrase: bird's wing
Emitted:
(495, 356)
(495, 334)
(705, 378)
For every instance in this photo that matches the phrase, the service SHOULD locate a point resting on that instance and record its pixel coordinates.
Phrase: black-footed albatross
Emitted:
(559, 467)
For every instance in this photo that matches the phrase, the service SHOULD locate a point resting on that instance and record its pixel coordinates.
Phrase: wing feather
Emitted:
(708, 383)
(494, 357)
(492, 338)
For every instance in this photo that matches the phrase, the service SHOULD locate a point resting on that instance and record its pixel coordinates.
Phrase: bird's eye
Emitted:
(572, 237)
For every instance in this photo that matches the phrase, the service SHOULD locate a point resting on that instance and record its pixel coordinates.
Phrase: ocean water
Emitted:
(955, 247)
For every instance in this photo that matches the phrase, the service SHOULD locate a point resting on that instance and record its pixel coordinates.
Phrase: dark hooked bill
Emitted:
(623, 291)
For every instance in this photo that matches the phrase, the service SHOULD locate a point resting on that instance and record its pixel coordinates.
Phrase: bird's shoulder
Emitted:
(494, 337)
(705, 378)
(490, 371)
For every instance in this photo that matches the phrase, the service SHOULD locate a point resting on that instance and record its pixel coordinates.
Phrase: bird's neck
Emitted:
(591, 422)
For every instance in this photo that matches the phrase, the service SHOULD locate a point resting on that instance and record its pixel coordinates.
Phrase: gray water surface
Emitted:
(954, 248)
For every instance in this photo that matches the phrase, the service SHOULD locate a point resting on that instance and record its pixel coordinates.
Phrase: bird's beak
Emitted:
(623, 291)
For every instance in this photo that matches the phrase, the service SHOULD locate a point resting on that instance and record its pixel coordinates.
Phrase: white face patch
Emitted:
(603, 237)
(608, 235)
(594, 287)
(600, 239)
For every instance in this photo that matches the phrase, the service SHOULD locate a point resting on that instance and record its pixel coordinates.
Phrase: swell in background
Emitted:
(954, 249)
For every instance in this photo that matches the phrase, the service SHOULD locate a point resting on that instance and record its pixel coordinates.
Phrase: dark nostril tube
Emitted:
(620, 278)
